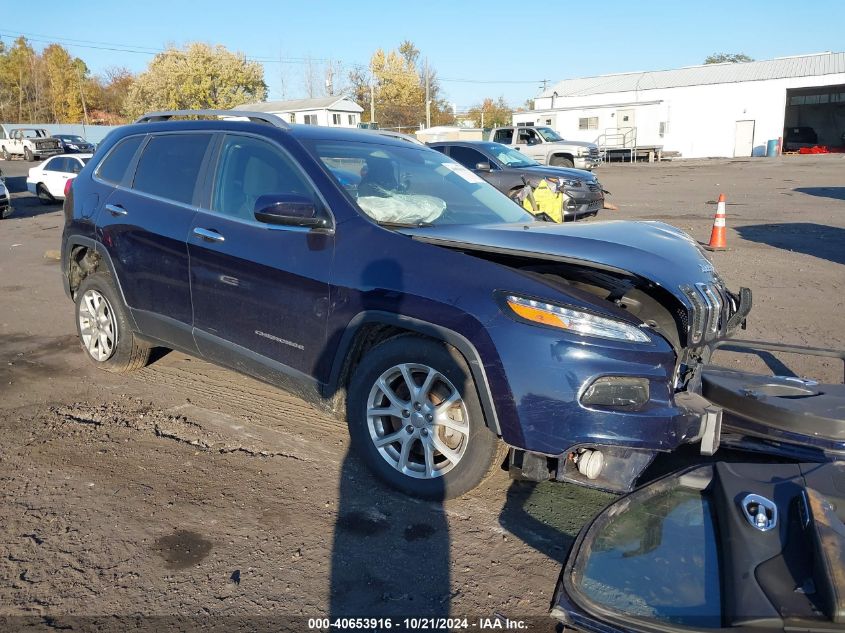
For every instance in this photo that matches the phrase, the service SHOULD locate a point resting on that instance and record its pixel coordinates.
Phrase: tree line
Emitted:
(53, 86)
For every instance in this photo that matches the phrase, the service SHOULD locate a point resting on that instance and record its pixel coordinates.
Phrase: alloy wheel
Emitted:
(97, 325)
(418, 421)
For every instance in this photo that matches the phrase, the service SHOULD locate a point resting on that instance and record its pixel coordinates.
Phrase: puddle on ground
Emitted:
(182, 549)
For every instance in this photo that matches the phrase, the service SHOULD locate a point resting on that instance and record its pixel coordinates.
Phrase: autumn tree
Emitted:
(491, 113)
(721, 58)
(65, 78)
(113, 88)
(200, 76)
(397, 78)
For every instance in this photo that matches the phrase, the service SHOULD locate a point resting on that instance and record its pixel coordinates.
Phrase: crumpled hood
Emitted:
(655, 251)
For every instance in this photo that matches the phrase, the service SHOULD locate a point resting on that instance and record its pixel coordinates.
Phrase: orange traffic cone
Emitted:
(718, 240)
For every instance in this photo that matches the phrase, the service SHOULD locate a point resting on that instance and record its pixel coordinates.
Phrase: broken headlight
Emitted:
(572, 320)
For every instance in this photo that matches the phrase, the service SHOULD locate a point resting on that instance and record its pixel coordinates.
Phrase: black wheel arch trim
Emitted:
(79, 240)
(456, 340)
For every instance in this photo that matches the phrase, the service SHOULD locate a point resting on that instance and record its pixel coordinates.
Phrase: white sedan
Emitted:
(49, 179)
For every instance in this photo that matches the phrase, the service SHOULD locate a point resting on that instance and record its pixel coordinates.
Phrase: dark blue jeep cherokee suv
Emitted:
(390, 283)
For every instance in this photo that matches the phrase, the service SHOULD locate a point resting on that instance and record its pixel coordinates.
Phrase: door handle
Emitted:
(116, 209)
(209, 235)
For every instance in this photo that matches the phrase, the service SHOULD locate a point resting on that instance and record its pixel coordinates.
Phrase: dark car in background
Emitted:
(509, 170)
(74, 144)
(387, 282)
(798, 137)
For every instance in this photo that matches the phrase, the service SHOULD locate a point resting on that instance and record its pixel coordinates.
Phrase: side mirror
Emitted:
(483, 166)
(287, 209)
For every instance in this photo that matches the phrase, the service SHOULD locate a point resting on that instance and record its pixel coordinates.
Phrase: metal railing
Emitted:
(618, 139)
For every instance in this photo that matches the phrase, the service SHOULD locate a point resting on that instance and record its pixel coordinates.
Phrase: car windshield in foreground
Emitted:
(511, 157)
(413, 186)
(549, 135)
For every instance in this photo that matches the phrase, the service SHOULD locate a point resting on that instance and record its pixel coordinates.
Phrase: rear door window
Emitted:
(503, 136)
(467, 156)
(55, 164)
(170, 166)
(113, 168)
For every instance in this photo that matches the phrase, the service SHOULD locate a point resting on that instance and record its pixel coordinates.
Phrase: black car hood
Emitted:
(653, 250)
(560, 172)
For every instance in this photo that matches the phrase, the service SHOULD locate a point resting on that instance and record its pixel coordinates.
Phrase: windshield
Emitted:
(70, 138)
(511, 157)
(549, 135)
(414, 185)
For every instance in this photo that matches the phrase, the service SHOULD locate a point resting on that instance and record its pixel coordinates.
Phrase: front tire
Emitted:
(103, 327)
(44, 196)
(6, 154)
(415, 418)
(27, 154)
(561, 161)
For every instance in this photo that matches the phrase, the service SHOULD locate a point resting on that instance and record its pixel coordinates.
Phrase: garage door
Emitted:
(814, 116)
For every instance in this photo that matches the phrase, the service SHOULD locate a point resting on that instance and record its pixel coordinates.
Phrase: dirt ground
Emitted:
(188, 490)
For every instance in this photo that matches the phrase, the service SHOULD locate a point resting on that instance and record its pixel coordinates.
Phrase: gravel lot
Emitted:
(186, 489)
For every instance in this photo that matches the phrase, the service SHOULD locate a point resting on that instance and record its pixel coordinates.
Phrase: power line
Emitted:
(145, 50)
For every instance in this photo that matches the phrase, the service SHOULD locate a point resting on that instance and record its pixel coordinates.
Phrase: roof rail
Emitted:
(255, 117)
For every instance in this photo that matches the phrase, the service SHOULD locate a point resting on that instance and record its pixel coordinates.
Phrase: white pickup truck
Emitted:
(30, 143)
(546, 146)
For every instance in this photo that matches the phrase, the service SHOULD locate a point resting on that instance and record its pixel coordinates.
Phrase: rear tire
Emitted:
(27, 155)
(103, 327)
(441, 447)
(44, 196)
(561, 161)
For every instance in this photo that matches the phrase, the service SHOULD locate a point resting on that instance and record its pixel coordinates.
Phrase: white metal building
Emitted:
(336, 111)
(730, 109)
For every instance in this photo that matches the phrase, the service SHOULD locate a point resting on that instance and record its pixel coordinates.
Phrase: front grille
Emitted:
(594, 152)
(709, 313)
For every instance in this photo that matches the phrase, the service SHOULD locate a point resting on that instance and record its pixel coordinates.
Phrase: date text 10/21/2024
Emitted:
(497, 623)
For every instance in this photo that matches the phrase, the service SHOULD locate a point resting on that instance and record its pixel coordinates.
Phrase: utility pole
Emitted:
(427, 97)
(545, 83)
(82, 98)
(372, 102)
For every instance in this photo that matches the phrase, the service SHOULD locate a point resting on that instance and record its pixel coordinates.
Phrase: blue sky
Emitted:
(479, 49)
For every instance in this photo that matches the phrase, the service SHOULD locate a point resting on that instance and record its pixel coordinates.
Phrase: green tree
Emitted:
(199, 76)
(721, 58)
(490, 113)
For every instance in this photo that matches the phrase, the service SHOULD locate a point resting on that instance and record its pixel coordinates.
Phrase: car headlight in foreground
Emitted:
(574, 321)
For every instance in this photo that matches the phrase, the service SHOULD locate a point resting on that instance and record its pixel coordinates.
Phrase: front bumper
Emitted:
(5, 205)
(587, 162)
(46, 153)
(547, 372)
(581, 204)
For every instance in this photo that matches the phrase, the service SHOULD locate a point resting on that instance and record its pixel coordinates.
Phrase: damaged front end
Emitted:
(596, 412)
